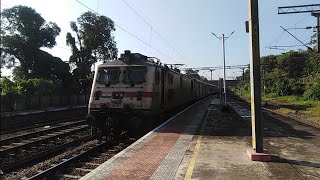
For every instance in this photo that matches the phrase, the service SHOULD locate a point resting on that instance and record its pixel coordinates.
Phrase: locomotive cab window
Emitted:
(134, 75)
(108, 75)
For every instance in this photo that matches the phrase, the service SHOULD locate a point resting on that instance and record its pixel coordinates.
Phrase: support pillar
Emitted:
(257, 153)
(317, 15)
(318, 33)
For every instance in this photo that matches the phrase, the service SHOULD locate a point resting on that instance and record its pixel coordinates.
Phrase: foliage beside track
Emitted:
(25, 33)
(290, 105)
(291, 81)
(36, 86)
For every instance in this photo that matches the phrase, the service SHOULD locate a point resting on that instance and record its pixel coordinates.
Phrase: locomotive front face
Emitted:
(122, 89)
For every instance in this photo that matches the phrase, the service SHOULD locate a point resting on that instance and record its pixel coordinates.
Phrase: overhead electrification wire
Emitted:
(123, 29)
(288, 46)
(277, 39)
(207, 75)
(300, 20)
(297, 38)
(280, 36)
(154, 30)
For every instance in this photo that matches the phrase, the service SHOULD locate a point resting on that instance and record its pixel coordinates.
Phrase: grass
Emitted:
(284, 111)
(311, 108)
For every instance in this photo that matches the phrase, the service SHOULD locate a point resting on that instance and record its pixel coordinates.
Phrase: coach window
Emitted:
(181, 82)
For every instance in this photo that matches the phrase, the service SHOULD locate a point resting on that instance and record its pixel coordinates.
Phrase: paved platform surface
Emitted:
(205, 143)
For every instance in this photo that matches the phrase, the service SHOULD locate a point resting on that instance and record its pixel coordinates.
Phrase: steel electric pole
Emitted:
(223, 38)
(224, 71)
(317, 15)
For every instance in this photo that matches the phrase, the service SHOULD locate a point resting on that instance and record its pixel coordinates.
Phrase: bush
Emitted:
(37, 86)
(313, 90)
(9, 88)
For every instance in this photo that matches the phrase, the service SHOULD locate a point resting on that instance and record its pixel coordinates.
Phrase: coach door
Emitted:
(162, 87)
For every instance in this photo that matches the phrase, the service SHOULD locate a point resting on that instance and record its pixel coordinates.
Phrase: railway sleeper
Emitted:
(92, 164)
(18, 144)
(69, 176)
(84, 169)
(39, 133)
(38, 141)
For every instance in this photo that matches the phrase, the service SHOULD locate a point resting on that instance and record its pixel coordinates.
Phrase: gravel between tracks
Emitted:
(30, 171)
(45, 147)
(9, 135)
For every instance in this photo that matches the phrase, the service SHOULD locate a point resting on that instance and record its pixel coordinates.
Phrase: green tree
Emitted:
(9, 88)
(193, 73)
(313, 90)
(94, 35)
(268, 63)
(38, 86)
(293, 63)
(9, 92)
(24, 33)
(313, 63)
(313, 40)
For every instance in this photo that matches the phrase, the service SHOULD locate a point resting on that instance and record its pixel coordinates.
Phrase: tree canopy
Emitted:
(24, 32)
(291, 73)
(93, 41)
(193, 73)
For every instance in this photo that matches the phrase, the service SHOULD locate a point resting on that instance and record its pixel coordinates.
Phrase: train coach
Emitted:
(132, 91)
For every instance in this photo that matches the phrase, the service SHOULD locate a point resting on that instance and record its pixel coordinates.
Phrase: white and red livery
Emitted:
(132, 91)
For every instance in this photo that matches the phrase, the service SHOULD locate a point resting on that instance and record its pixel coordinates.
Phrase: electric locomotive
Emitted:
(131, 92)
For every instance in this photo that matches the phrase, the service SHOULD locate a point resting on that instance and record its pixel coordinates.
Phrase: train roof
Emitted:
(138, 60)
(132, 59)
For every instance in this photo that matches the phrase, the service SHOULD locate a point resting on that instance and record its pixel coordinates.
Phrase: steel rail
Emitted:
(39, 124)
(44, 139)
(51, 171)
(43, 155)
(40, 132)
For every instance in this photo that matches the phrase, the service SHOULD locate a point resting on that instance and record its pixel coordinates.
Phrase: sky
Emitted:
(179, 31)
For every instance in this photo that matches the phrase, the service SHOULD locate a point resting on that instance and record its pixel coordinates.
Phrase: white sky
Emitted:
(185, 24)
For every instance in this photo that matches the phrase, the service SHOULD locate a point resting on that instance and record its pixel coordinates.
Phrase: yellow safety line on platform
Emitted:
(193, 159)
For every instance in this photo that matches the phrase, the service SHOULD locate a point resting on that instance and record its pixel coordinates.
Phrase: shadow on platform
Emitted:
(278, 159)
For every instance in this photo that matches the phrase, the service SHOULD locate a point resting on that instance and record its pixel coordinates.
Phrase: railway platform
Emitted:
(202, 142)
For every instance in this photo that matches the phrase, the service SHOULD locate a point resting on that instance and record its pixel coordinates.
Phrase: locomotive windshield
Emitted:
(107, 75)
(134, 75)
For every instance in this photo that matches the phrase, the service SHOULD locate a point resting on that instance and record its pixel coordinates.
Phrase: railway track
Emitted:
(80, 164)
(21, 149)
(33, 159)
(32, 142)
(24, 127)
(62, 153)
(42, 131)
